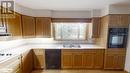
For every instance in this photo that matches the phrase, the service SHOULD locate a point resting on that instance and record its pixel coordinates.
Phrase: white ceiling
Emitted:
(69, 4)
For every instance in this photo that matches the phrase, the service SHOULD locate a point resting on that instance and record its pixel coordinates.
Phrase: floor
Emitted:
(77, 71)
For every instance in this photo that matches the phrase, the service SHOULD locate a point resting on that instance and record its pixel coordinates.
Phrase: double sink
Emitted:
(71, 46)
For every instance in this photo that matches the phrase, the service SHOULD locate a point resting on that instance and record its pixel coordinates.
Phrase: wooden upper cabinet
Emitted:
(14, 25)
(96, 22)
(119, 20)
(28, 26)
(43, 27)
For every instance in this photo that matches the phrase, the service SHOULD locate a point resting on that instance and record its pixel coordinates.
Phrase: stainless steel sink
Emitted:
(71, 46)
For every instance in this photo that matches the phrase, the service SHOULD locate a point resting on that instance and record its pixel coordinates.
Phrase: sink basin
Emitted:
(71, 46)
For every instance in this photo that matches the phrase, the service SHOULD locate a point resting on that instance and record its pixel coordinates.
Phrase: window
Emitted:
(70, 31)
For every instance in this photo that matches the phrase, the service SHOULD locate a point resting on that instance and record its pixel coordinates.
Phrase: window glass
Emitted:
(70, 31)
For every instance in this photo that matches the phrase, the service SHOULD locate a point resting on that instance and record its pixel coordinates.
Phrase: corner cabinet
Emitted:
(28, 26)
(43, 27)
(82, 59)
(114, 58)
(39, 58)
(14, 25)
(27, 62)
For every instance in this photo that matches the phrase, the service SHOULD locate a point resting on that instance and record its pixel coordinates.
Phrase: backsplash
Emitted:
(8, 44)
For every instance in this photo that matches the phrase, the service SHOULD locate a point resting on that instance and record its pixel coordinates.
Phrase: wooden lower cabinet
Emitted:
(82, 59)
(77, 59)
(67, 60)
(88, 60)
(27, 62)
(99, 59)
(114, 59)
(18, 71)
(39, 58)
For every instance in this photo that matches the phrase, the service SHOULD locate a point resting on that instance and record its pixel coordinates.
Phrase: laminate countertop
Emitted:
(23, 48)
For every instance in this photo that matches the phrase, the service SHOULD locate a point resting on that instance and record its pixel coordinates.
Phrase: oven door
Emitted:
(116, 41)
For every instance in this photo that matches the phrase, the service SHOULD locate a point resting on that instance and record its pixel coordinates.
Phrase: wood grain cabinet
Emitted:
(77, 59)
(88, 60)
(14, 25)
(66, 59)
(82, 59)
(43, 27)
(119, 20)
(114, 59)
(96, 24)
(28, 26)
(27, 62)
(39, 58)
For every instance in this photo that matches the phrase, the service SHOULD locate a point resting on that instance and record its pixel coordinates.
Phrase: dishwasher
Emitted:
(53, 58)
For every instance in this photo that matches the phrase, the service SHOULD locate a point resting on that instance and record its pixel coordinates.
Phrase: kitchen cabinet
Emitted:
(39, 58)
(82, 59)
(98, 59)
(14, 25)
(114, 58)
(119, 20)
(88, 59)
(96, 23)
(28, 26)
(77, 59)
(66, 59)
(43, 27)
(27, 61)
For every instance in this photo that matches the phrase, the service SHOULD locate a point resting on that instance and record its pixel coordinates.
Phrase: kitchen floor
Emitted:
(77, 71)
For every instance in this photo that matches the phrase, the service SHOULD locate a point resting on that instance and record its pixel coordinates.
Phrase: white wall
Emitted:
(116, 9)
(71, 14)
(57, 14)
(127, 63)
(32, 12)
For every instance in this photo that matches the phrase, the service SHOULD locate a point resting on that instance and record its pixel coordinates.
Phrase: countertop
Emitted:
(23, 48)
(17, 51)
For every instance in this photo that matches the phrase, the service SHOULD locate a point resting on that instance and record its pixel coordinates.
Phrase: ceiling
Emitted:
(69, 4)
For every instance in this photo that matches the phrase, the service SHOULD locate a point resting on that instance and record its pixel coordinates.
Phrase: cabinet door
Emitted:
(28, 26)
(14, 25)
(96, 22)
(109, 61)
(99, 59)
(78, 60)
(43, 27)
(27, 62)
(114, 59)
(119, 61)
(66, 60)
(88, 60)
(18, 71)
(119, 20)
(39, 58)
